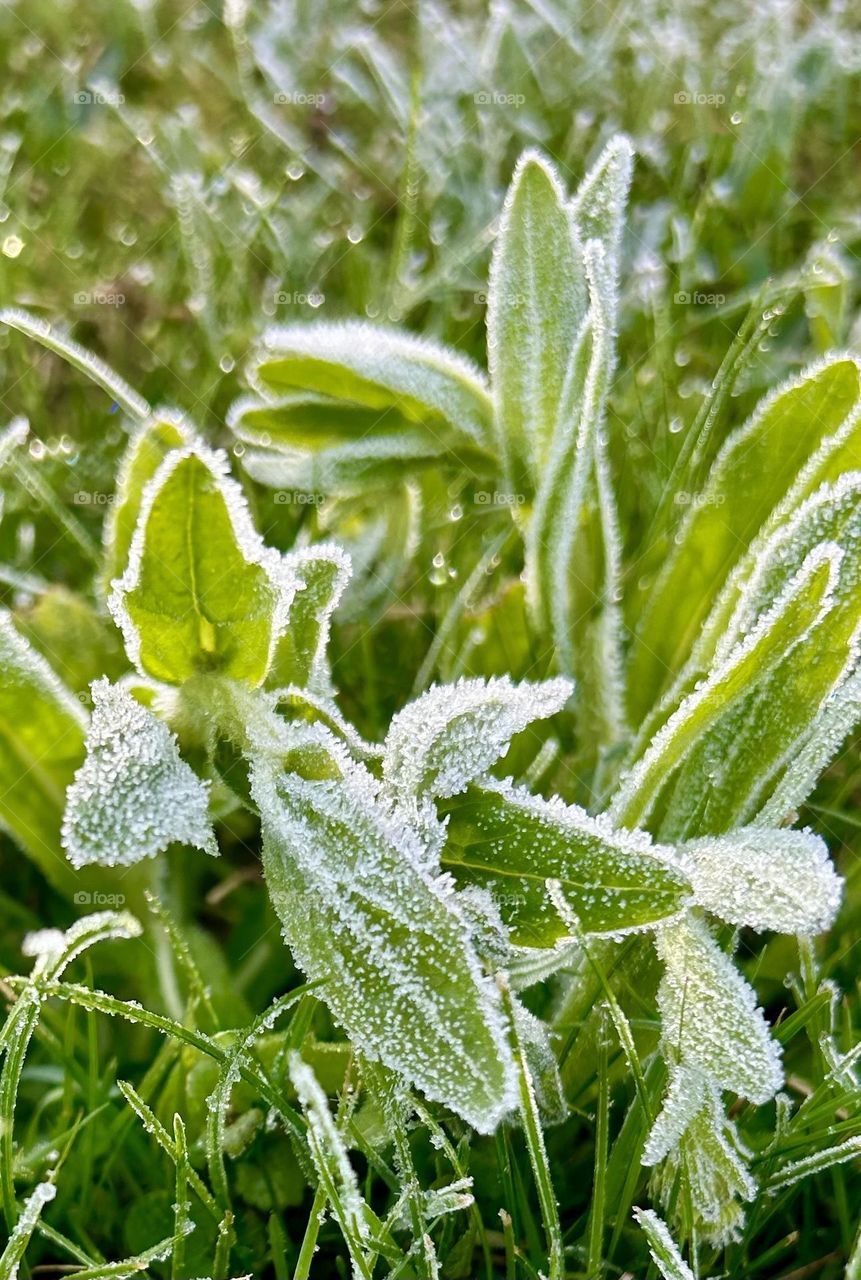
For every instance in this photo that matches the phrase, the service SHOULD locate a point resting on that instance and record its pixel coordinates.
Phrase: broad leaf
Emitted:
(321, 574)
(381, 369)
(709, 1014)
(506, 840)
(452, 734)
(765, 879)
(360, 909)
(147, 450)
(759, 463)
(42, 728)
(133, 796)
(201, 592)
(536, 305)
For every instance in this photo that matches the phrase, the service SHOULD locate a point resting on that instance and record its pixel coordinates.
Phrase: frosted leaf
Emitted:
(12, 438)
(348, 469)
(662, 1247)
(613, 880)
(452, 1198)
(378, 368)
(25, 1226)
(200, 592)
(534, 1040)
(709, 1015)
(684, 1099)
(598, 206)
(794, 1171)
(711, 1159)
(361, 909)
(328, 1152)
(321, 574)
(453, 733)
(536, 305)
(766, 879)
(133, 796)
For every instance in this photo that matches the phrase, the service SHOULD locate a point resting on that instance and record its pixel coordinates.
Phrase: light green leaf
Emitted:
(536, 306)
(321, 573)
(791, 438)
(662, 1247)
(765, 879)
(361, 908)
(146, 451)
(23, 1230)
(504, 839)
(133, 796)
(372, 367)
(793, 615)
(441, 742)
(709, 1014)
(42, 728)
(598, 206)
(201, 592)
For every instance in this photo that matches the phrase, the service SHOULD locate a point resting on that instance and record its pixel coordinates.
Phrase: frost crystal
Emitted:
(133, 795)
(453, 733)
(662, 1247)
(710, 1016)
(766, 879)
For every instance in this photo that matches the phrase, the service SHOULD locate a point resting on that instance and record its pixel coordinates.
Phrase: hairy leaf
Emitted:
(321, 574)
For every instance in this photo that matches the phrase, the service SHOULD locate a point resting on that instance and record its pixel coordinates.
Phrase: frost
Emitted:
(684, 1099)
(454, 733)
(133, 796)
(361, 909)
(662, 1247)
(12, 438)
(709, 1014)
(321, 574)
(598, 206)
(377, 367)
(25, 1226)
(766, 879)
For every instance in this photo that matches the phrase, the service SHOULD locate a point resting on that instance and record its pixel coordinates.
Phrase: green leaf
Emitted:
(372, 367)
(25, 1226)
(321, 573)
(598, 206)
(441, 742)
(512, 843)
(201, 593)
(361, 907)
(709, 1015)
(133, 796)
(536, 305)
(42, 728)
(790, 438)
(147, 450)
(760, 651)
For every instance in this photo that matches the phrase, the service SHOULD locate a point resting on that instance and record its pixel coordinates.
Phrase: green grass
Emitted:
(325, 161)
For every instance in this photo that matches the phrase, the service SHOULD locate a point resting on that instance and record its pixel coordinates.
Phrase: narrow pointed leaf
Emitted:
(662, 1247)
(321, 574)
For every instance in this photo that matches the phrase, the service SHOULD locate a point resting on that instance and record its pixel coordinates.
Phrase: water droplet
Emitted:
(12, 246)
(226, 364)
(295, 171)
(355, 235)
(676, 425)
(736, 117)
(456, 512)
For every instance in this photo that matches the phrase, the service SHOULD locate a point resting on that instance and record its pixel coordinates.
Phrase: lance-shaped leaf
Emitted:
(450, 735)
(147, 450)
(201, 592)
(536, 305)
(359, 909)
(662, 1247)
(133, 796)
(511, 842)
(42, 728)
(793, 615)
(709, 1014)
(321, 574)
(766, 879)
(598, 206)
(382, 369)
(793, 435)
(733, 766)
